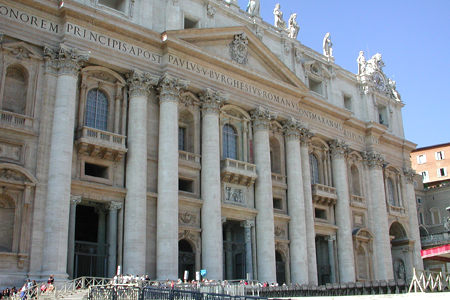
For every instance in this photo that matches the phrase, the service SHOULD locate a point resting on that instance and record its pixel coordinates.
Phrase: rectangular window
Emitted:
(320, 214)
(439, 155)
(419, 200)
(96, 170)
(190, 23)
(421, 159)
(315, 86)
(421, 220)
(186, 185)
(119, 5)
(442, 172)
(348, 102)
(425, 176)
(436, 217)
(182, 138)
(277, 203)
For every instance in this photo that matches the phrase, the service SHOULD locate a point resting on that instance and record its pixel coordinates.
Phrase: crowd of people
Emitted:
(30, 289)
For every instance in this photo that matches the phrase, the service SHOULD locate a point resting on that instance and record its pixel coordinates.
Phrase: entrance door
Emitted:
(323, 261)
(186, 260)
(281, 268)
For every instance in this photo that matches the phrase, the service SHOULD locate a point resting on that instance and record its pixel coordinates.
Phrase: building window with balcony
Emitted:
(229, 142)
(314, 166)
(96, 110)
(16, 89)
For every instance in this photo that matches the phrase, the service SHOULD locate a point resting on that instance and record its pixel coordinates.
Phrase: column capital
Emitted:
(409, 174)
(113, 205)
(212, 101)
(330, 238)
(75, 199)
(64, 60)
(100, 209)
(170, 88)
(247, 223)
(224, 220)
(339, 148)
(373, 159)
(293, 129)
(305, 137)
(139, 83)
(261, 118)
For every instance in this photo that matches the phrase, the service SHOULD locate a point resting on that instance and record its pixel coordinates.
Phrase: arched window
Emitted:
(96, 110)
(16, 89)
(391, 191)
(229, 142)
(314, 166)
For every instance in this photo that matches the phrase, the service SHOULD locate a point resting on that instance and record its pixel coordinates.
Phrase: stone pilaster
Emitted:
(248, 224)
(113, 207)
(263, 195)
(212, 240)
(305, 138)
(74, 201)
(169, 89)
(339, 150)
(134, 244)
(410, 201)
(377, 207)
(65, 62)
(296, 203)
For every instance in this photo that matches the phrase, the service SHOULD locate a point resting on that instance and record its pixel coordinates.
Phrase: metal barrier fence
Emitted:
(373, 287)
(429, 281)
(127, 292)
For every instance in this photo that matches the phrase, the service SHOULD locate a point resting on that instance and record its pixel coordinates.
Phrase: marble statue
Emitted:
(393, 86)
(361, 63)
(253, 7)
(293, 26)
(327, 45)
(279, 22)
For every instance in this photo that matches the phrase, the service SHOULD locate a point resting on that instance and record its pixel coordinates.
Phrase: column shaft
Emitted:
(343, 217)
(212, 241)
(248, 247)
(331, 240)
(74, 200)
(112, 237)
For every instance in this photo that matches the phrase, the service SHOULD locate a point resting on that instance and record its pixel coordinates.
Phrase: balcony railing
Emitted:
(279, 180)
(396, 210)
(435, 239)
(324, 195)
(16, 120)
(237, 172)
(188, 157)
(99, 143)
(357, 201)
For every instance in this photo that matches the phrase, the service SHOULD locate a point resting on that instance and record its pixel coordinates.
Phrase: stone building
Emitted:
(433, 200)
(163, 136)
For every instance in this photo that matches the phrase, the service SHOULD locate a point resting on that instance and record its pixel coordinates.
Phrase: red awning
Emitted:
(441, 253)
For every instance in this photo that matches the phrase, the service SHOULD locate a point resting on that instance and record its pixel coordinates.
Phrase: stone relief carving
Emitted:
(75, 199)
(298, 56)
(113, 205)
(103, 76)
(409, 174)
(210, 10)
(262, 117)
(187, 218)
(64, 60)
(12, 174)
(373, 159)
(280, 231)
(170, 88)
(239, 49)
(212, 101)
(339, 148)
(140, 83)
(234, 195)
(287, 47)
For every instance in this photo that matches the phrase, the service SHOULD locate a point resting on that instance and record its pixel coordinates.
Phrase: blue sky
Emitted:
(413, 38)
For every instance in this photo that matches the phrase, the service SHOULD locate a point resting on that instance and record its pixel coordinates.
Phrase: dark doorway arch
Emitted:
(281, 268)
(186, 259)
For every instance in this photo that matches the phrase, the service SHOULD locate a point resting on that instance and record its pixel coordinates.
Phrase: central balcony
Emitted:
(237, 172)
(101, 144)
(323, 195)
(436, 239)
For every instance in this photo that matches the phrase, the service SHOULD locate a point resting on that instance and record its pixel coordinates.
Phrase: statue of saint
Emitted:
(393, 86)
(327, 45)
(361, 63)
(293, 26)
(279, 22)
(253, 7)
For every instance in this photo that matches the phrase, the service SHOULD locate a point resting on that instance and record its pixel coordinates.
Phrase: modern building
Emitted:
(433, 201)
(163, 136)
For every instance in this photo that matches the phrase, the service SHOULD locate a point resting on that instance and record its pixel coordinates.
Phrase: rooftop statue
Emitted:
(393, 86)
(361, 63)
(293, 26)
(327, 45)
(279, 22)
(253, 7)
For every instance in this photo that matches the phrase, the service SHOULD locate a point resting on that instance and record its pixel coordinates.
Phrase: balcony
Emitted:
(237, 172)
(396, 210)
(358, 201)
(436, 239)
(323, 195)
(188, 159)
(16, 120)
(279, 180)
(101, 144)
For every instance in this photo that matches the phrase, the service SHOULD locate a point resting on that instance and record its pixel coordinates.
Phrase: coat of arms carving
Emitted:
(238, 49)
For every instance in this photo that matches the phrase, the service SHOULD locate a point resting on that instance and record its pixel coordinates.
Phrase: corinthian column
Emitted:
(377, 206)
(134, 239)
(346, 258)
(212, 241)
(410, 201)
(167, 211)
(296, 203)
(265, 236)
(305, 137)
(66, 63)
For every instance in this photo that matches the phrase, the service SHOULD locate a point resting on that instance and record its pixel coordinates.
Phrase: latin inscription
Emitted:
(23, 17)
